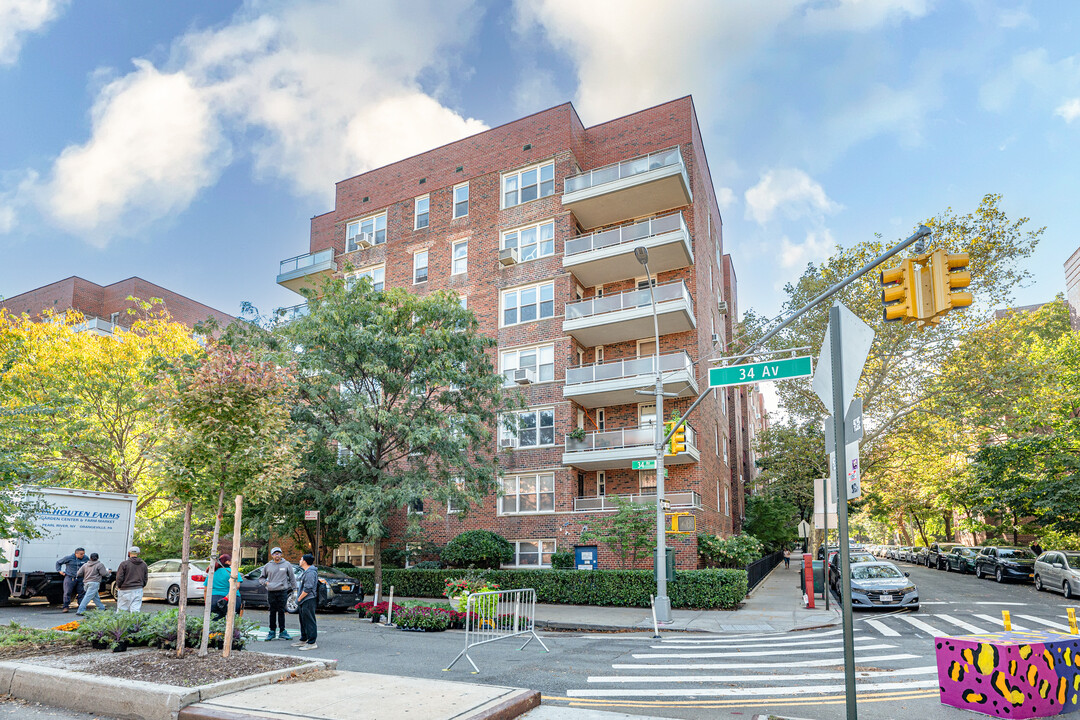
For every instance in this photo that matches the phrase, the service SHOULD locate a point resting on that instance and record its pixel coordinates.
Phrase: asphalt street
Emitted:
(695, 676)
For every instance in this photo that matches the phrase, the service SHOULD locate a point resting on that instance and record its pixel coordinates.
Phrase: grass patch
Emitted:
(21, 641)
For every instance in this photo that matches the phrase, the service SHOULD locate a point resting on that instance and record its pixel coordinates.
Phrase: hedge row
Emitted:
(717, 588)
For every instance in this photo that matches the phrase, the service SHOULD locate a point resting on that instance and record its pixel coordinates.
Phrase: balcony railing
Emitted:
(623, 438)
(680, 500)
(627, 168)
(625, 233)
(94, 324)
(300, 262)
(633, 299)
(288, 314)
(628, 368)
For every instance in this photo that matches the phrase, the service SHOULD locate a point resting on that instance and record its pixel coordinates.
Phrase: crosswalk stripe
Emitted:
(999, 621)
(755, 666)
(763, 653)
(1047, 623)
(920, 624)
(926, 670)
(882, 628)
(996, 602)
(961, 624)
(743, 638)
(735, 692)
(828, 641)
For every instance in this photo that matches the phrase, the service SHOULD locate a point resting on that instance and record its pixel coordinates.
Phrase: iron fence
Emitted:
(757, 570)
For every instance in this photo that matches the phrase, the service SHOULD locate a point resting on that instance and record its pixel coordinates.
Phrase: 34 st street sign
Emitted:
(760, 372)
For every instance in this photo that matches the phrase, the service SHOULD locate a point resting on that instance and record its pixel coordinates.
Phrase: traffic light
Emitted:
(948, 273)
(671, 444)
(680, 523)
(898, 292)
(678, 440)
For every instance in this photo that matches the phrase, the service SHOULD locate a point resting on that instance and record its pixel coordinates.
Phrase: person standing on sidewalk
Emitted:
(92, 575)
(68, 567)
(308, 601)
(279, 579)
(787, 558)
(130, 581)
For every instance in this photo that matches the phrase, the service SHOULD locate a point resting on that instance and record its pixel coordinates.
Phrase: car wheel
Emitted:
(978, 572)
(947, 567)
(1038, 583)
(172, 595)
(1066, 588)
(914, 608)
(997, 576)
(291, 606)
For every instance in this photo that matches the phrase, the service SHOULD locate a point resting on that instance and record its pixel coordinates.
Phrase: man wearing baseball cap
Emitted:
(279, 579)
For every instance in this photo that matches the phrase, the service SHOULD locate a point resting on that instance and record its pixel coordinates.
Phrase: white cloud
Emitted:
(1033, 71)
(725, 197)
(861, 15)
(817, 246)
(19, 18)
(789, 192)
(1069, 110)
(1016, 18)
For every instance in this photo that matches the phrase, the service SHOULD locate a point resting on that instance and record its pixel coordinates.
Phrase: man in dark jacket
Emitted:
(131, 578)
(279, 579)
(309, 601)
(73, 584)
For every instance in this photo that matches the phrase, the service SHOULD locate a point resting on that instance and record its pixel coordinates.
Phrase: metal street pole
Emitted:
(662, 601)
(839, 411)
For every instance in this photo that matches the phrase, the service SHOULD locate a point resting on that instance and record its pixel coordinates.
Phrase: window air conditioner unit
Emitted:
(506, 442)
(508, 256)
(523, 376)
(360, 241)
(715, 339)
(721, 305)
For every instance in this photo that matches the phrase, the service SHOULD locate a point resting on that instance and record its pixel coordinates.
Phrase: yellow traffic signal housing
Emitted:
(948, 274)
(921, 289)
(678, 440)
(671, 445)
(681, 523)
(898, 292)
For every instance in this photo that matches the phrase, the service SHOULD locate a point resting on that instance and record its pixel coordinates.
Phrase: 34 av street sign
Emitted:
(760, 372)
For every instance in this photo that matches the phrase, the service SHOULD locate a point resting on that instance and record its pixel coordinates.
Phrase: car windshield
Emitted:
(1018, 553)
(875, 572)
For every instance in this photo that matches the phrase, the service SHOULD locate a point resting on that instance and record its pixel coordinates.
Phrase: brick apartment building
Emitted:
(534, 225)
(105, 307)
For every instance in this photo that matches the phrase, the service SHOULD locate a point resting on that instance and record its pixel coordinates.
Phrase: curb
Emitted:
(589, 627)
(520, 704)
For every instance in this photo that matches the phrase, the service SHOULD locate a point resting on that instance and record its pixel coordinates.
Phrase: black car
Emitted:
(961, 559)
(337, 591)
(936, 557)
(1005, 562)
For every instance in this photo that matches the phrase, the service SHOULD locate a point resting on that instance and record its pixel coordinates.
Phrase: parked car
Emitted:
(915, 554)
(961, 559)
(935, 558)
(1005, 562)
(163, 580)
(337, 591)
(882, 585)
(892, 552)
(1059, 571)
(855, 556)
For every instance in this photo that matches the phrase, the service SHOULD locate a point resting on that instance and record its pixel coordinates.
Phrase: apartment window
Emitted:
(420, 211)
(727, 501)
(725, 449)
(370, 229)
(458, 485)
(533, 553)
(531, 242)
(535, 428)
(723, 402)
(601, 483)
(601, 419)
(114, 318)
(529, 184)
(599, 352)
(541, 360)
(357, 554)
(459, 262)
(375, 273)
(527, 494)
(528, 303)
(416, 507)
(647, 482)
(420, 265)
(464, 300)
(716, 438)
(461, 200)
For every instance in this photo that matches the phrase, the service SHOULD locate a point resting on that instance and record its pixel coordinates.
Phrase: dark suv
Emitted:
(936, 557)
(1005, 562)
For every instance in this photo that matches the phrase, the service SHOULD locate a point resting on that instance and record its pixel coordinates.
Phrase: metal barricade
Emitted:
(498, 614)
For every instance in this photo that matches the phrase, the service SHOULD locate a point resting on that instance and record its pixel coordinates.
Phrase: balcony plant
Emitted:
(576, 434)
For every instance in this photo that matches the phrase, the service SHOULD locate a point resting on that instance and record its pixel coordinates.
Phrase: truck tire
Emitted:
(55, 597)
(5, 593)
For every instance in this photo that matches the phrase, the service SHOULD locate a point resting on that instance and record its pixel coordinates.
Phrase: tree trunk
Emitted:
(919, 527)
(903, 530)
(204, 644)
(377, 545)
(185, 562)
(233, 582)
(947, 517)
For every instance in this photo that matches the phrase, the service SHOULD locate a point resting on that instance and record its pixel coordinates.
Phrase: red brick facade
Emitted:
(558, 136)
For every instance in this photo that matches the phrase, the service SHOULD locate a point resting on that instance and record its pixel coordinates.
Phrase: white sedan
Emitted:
(163, 580)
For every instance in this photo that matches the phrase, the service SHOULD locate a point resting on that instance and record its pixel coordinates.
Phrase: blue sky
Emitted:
(190, 143)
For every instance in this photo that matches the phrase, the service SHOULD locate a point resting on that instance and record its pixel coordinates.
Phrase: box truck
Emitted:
(100, 522)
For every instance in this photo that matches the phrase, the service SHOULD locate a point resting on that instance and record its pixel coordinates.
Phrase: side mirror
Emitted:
(907, 574)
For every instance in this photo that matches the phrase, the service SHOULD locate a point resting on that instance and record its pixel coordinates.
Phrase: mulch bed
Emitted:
(29, 649)
(162, 666)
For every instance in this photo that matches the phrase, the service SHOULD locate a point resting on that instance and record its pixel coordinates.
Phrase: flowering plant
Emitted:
(422, 618)
(68, 627)
(458, 590)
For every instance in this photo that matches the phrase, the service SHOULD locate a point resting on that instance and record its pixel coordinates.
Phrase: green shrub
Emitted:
(736, 551)
(562, 561)
(477, 549)
(428, 565)
(703, 589)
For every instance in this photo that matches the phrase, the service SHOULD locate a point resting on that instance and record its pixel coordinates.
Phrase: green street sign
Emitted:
(760, 372)
(643, 465)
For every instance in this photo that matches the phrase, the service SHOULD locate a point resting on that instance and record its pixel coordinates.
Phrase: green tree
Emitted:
(772, 520)
(402, 386)
(792, 458)
(630, 533)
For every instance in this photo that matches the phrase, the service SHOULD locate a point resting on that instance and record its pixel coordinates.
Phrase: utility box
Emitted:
(585, 557)
(819, 578)
(669, 565)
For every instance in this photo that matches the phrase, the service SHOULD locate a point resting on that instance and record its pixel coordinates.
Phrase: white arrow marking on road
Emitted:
(754, 666)
(999, 621)
(883, 628)
(926, 670)
(766, 653)
(1047, 623)
(920, 624)
(961, 624)
(829, 641)
(735, 692)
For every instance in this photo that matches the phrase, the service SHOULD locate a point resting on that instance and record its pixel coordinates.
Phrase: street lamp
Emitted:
(662, 603)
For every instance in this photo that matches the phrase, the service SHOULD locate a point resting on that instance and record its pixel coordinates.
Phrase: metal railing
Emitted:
(288, 314)
(305, 261)
(626, 168)
(496, 615)
(633, 299)
(607, 502)
(623, 438)
(757, 570)
(628, 368)
(94, 323)
(625, 233)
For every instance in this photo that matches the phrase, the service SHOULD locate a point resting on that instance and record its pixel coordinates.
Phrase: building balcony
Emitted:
(616, 383)
(614, 449)
(608, 256)
(646, 185)
(627, 316)
(677, 500)
(306, 270)
(95, 325)
(288, 314)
